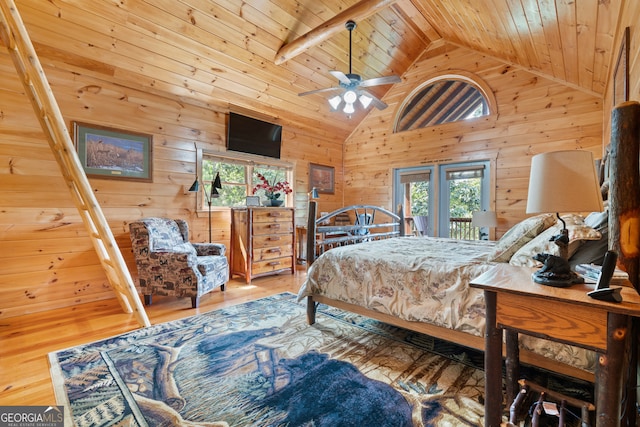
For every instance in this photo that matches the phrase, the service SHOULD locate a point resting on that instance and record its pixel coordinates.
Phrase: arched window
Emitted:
(444, 99)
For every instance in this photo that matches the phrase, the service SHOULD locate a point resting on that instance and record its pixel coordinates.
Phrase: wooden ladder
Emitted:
(15, 37)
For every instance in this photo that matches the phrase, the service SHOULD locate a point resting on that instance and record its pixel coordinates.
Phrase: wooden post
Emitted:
(311, 232)
(624, 220)
(624, 208)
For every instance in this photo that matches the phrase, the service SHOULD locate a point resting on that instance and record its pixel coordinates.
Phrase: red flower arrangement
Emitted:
(272, 191)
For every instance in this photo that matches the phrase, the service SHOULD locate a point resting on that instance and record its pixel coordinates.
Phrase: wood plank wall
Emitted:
(534, 115)
(47, 260)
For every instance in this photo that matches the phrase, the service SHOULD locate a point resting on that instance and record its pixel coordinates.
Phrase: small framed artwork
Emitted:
(253, 201)
(621, 71)
(322, 178)
(111, 153)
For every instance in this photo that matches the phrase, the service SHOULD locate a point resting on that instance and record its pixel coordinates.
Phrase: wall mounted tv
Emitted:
(249, 135)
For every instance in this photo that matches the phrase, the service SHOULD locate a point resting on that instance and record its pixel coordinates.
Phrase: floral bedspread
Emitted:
(420, 279)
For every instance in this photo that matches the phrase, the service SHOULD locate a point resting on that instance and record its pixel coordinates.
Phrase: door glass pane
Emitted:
(464, 198)
(419, 202)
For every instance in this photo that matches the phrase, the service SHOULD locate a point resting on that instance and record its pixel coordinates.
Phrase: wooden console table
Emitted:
(515, 304)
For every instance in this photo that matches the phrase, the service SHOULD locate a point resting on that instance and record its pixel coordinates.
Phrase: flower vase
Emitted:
(276, 202)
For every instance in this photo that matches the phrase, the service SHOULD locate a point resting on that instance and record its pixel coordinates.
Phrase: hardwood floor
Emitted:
(25, 341)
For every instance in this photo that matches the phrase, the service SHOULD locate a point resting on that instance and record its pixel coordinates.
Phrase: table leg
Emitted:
(512, 365)
(609, 372)
(492, 364)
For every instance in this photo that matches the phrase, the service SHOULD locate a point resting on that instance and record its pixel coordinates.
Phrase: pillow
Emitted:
(578, 234)
(597, 220)
(593, 251)
(519, 235)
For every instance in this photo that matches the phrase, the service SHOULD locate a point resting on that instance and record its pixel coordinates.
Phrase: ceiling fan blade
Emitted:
(380, 81)
(375, 100)
(342, 77)
(327, 89)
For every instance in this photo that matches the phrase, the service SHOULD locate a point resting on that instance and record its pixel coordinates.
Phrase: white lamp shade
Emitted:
(335, 102)
(365, 100)
(484, 219)
(564, 181)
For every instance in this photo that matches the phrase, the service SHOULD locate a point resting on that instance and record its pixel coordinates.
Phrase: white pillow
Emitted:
(519, 235)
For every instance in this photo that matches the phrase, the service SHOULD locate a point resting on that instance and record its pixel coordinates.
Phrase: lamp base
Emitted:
(563, 280)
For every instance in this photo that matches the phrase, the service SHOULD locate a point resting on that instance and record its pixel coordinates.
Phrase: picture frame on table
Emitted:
(252, 201)
(322, 178)
(110, 153)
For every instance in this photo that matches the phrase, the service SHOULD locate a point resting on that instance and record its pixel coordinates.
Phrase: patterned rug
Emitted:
(260, 364)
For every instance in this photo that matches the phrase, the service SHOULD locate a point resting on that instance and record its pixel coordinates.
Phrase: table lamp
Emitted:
(562, 181)
(484, 219)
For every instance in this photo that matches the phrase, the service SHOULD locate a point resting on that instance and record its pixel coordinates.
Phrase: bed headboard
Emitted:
(624, 188)
(348, 226)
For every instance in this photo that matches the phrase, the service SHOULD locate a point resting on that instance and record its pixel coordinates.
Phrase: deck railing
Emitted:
(461, 228)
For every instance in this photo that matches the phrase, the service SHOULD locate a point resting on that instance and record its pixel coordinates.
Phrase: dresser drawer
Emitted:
(261, 267)
(273, 215)
(272, 240)
(261, 254)
(272, 227)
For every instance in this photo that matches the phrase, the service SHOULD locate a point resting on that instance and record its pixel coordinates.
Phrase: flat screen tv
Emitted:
(249, 135)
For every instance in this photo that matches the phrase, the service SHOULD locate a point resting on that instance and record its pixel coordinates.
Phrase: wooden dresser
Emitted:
(262, 241)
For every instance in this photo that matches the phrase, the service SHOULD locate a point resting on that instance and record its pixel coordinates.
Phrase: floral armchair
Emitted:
(168, 264)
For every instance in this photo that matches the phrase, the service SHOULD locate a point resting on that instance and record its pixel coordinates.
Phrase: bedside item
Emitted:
(168, 264)
(562, 181)
(603, 291)
(262, 241)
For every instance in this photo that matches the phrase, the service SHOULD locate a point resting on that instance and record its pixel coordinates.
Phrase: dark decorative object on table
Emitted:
(555, 272)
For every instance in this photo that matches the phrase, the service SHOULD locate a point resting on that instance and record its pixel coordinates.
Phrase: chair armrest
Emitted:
(207, 249)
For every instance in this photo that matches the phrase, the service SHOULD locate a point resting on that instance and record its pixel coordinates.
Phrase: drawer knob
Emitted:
(274, 237)
(274, 225)
(275, 250)
(274, 263)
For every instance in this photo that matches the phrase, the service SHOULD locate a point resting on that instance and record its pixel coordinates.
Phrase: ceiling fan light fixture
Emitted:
(335, 102)
(349, 84)
(350, 97)
(365, 100)
(348, 108)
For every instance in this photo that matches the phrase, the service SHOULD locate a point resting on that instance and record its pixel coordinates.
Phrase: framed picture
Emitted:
(253, 201)
(322, 178)
(621, 71)
(111, 153)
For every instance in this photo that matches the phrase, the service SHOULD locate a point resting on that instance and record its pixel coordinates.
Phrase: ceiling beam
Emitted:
(358, 12)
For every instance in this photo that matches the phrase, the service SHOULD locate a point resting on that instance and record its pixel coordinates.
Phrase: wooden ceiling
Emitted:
(228, 54)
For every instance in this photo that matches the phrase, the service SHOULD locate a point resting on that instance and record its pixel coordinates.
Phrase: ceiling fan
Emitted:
(351, 86)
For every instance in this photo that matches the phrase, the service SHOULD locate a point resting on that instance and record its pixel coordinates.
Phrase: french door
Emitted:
(440, 199)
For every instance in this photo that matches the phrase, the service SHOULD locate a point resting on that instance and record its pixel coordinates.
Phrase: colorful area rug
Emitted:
(260, 364)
